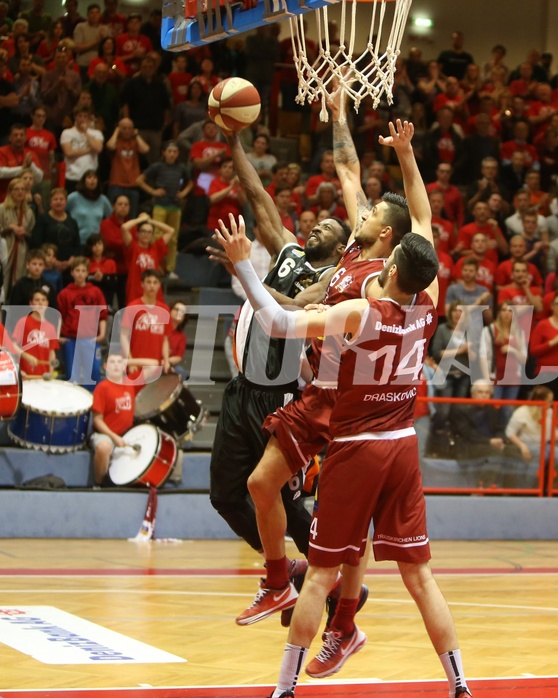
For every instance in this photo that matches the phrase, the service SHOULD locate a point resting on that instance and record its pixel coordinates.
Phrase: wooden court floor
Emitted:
(181, 598)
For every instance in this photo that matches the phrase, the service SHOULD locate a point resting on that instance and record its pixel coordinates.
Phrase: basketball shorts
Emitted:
(363, 481)
(302, 426)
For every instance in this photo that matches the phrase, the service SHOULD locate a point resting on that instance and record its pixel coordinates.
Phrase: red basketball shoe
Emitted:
(335, 652)
(268, 601)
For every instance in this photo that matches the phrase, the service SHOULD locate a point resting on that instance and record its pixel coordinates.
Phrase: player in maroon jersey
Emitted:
(371, 471)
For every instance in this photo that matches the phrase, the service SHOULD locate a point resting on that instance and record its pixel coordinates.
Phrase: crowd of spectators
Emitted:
(109, 167)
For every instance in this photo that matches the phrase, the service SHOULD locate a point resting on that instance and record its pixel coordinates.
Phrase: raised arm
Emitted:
(272, 233)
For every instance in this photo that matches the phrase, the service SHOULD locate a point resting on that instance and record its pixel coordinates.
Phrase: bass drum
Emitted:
(147, 459)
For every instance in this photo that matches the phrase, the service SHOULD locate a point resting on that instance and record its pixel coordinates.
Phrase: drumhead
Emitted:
(9, 373)
(157, 396)
(56, 397)
(127, 465)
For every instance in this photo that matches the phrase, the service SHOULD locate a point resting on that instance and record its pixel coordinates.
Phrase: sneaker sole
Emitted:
(265, 614)
(330, 672)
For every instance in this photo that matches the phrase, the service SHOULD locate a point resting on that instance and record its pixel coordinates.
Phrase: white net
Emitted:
(338, 66)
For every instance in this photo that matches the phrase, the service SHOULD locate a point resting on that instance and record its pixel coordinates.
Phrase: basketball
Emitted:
(234, 104)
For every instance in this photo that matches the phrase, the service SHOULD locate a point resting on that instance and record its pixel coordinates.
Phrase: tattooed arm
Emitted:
(348, 168)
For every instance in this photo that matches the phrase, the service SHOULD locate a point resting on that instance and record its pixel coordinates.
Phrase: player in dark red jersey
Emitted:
(371, 471)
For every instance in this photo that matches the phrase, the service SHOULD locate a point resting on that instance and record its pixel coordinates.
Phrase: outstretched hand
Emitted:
(400, 136)
(234, 242)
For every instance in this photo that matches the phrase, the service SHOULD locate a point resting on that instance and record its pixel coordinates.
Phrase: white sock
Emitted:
(453, 666)
(291, 666)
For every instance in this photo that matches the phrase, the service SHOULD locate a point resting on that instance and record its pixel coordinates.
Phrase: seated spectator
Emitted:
(444, 144)
(537, 247)
(226, 195)
(48, 46)
(23, 289)
(177, 338)
(42, 142)
(102, 270)
(489, 183)
(444, 227)
(453, 97)
(57, 227)
(518, 250)
(543, 347)
(513, 174)
(81, 146)
(51, 273)
(498, 208)
(514, 223)
(115, 249)
(482, 223)
(88, 206)
(453, 199)
(60, 88)
(145, 253)
(34, 201)
(373, 191)
(117, 70)
(126, 146)
(467, 291)
(538, 199)
(328, 174)
(521, 142)
(486, 268)
(208, 154)
(520, 293)
(283, 204)
(22, 47)
(151, 28)
(83, 328)
(548, 154)
(206, 77)
(16, 223)
(523, 83)
(179, 79)
(525, 427)
(169, 183)
(445, 274)
(131, 46)
(36, 339)
(191, 110)
(305, 225)
(503, 354)
(480, 429)
(113, 415)
(14, 157)
(261, 158)
(145, 331)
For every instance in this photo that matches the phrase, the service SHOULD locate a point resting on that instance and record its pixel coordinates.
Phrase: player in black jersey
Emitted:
(269, 369)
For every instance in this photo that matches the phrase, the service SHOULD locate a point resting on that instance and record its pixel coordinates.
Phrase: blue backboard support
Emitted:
(223, 19)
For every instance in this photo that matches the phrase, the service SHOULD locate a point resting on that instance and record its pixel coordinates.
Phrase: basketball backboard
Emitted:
(188, 23)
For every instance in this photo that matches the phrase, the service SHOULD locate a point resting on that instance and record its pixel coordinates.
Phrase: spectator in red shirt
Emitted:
(453, 199)
(207, 156)
(521, 142)
(83, 329)
(328, 174)
(112, 19)
(518, 250)
(520, 293)
(145, 332)
(15, 157)
(36, 339)
(486, 269)
(145, 253)
(283, 204)
(115, 249)
(177, 338)
(102, 270)
(482, 224)
(226, 195)
(126, 146)
(328, 200)
(118, 70)
(132, 46)
(445, 273)
(206, 76)
(179, 79)
(47, 47)
(42, 142)
(445, 229)
(444, 143)
(543, 346)
(113, 415)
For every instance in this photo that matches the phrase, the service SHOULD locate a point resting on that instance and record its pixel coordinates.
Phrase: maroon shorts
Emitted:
(363, 481)
(302, 426)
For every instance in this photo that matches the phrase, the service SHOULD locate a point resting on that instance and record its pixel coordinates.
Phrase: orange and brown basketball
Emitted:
(234, 104)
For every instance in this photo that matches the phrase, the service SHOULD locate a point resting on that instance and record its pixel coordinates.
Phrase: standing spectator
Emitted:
(71, 19)
(489, 183)
(104, 97)
(467, 291)
(520, 292)
(102, 270)
(16, 223)
(538, 199)
(454, 61)
(328, 174)
(42, 142)
(8, 100)
(226, 195)
(179, 79)
(117, 70)
(282, 202)
(126, 146)
(81, 146)
(88, 206)
(453, 199)
(482, 223)
(543, 347)
(453, 97)
(152, 28)
(262, 51)
(429, 86)
(444, 227)
(113, 415)
(49, 44)
(523, 84)
(518, 250)
(513, 174)
(145, 331)
(131, 46)
(496, 66)
(208, 154)
(177, 337)
(23, 50)
(36, 338)
(261, 159)
(520, 141)
(15, 157)
(503, 353)
(87, 37)
(169, 183)
(191, 110)
(206, 77)
(60, 88)
(58, 228)
(514, 223)
(444, 144)
(548, 158)
(27, 87)
(82, 352)
(23, 289)
(112, 19)
(114, 244)
(145, 253)
(146, 101)
(486, 270)
(480, 146)
(445, 274)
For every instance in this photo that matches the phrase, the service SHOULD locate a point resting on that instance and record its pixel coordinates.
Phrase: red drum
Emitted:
(168, 404)
(10, 386)
(147, 459)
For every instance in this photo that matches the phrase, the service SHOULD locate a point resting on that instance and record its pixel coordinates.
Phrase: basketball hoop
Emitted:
(340, 69)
